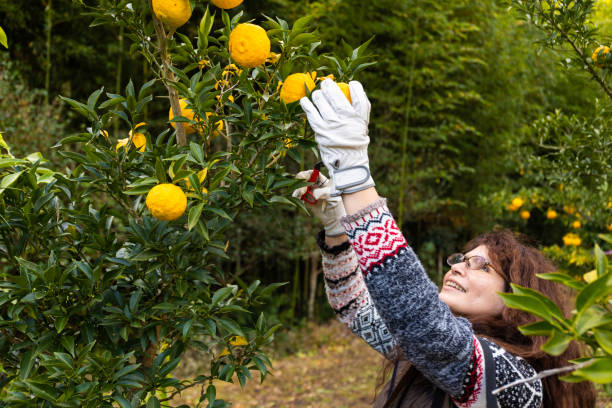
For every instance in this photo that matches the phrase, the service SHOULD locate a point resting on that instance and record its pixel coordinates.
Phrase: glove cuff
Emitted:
(350, 180)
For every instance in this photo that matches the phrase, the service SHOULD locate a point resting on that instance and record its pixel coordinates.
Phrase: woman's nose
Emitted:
(459, 268)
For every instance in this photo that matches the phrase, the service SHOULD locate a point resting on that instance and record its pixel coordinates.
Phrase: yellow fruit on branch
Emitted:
(571, 239)
(525, 215)
(166, 202)
(576, 224)
(227, 4)
(600, 52)
(517, 202)
(294, 87)
(173, 13)
(187, 113)
(249, 45)
(609, 227)
(345, 90)
(551, 214)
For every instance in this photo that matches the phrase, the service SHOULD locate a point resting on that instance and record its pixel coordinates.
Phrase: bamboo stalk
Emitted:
(49, 10)
(118, 74)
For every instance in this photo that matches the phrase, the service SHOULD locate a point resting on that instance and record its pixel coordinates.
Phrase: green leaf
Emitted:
(125, 370)
(60, 323)
(562, 278)
(153, 402)
(8, 180)
(123, 403)
(527, 304)
(160, 171)
(194, 215)
(541, 328)
(65, 359)
(219, 212)
(27, 364)
(550, 305)
(600, 371)
(604, 339)
(3, 39)
(206, 24)
(594, 316)
(557, 343)
(594, 291)
(601, 261)
(230, 326)
(221, 294)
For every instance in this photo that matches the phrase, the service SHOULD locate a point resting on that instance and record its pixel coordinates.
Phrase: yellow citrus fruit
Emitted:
(525, 215)
(517, 202)
(186, 112)
(227, 4)
(571, 239)
(345, 90)
(166, 202)
(249, 45)
(602, 50)
(576, 224)
(201, 176)
(569, 209)
(294, 87)
(609, 227)
(551, 214)
(173, 13)
(590, 276)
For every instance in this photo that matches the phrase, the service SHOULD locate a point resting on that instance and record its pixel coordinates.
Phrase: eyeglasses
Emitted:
(474, 262)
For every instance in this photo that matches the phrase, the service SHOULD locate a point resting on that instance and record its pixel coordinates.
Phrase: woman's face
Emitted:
(470, 292)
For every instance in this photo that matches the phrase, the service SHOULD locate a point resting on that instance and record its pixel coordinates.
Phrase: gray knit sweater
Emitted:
(379, 289)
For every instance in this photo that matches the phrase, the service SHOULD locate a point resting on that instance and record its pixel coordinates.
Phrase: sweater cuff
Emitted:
(335, 250)
(381, 202)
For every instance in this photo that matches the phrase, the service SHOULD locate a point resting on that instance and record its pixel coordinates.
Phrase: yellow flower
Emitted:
(203, 63)
(138, 140)
(571, 239)
(249, 45)
(173, 13)
(231, 69)
(273, 58)
(576, 224)
(229, 98)
(227, 4)
(166, 202)
(294, 87)
(289, 143)
(517, 202)
(330, 76)
(525, 215)
(225, 352)
(223, 83)
(551, 214)
(219, 123)
(104, 133)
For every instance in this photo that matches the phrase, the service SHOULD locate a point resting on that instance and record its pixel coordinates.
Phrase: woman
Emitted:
(441, 344)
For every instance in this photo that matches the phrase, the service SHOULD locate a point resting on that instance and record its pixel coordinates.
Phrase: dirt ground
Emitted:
(320, 366)
(332, 368)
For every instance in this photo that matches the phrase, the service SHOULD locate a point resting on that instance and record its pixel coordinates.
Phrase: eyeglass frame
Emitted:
(466, 259)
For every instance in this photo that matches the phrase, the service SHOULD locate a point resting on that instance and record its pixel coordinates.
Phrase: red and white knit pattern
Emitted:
(473, 382)
(344, 285)
(375, 237)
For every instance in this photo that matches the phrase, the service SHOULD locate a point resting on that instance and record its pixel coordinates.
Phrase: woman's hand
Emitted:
(327, 209)
(341, 131)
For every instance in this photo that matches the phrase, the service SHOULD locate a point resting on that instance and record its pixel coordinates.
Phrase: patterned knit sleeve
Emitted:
(349, 297)
(436, 342)
(443, 347)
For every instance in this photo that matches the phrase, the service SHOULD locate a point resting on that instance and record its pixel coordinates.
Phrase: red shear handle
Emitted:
(308, 196)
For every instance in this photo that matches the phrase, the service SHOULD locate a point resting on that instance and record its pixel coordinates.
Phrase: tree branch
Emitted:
(542, 374)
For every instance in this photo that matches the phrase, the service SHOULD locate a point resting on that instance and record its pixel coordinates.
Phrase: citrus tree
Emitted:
(562, 188)
(109, 267)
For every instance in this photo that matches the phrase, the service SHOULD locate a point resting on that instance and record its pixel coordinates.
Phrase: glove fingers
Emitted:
(321, 193)
(336, 98)
(326, 110)
(304, 175)
(361, 103)
(314, 118)
(298, 193)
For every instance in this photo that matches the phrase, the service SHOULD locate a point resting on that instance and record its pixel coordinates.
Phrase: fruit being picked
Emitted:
(227, 4)
(166, 202)
(294, 87)
(173, 13)
(249, 45)
(345, 90)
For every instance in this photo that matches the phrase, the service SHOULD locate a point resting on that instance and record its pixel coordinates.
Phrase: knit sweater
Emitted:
(379, 289)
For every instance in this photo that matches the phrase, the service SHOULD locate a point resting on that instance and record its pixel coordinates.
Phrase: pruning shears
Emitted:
(308, 196)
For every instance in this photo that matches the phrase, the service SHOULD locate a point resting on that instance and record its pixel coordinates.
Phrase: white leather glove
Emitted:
(327, 209)
(341, 131)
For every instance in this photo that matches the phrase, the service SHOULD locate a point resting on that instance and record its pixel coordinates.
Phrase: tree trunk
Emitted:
(49, 10)
(314, 273)
(118, 74)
